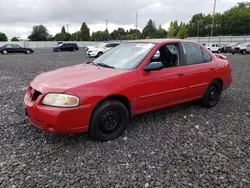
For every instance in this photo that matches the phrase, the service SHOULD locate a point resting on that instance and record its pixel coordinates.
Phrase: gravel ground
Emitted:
(182, 146)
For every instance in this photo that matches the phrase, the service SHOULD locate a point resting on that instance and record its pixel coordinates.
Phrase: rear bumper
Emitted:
(227, 82)
(58, 120)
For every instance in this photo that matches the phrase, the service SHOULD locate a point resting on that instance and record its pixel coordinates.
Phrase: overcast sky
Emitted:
(18, 16)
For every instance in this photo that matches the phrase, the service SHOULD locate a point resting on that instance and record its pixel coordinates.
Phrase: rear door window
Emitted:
(193, 53)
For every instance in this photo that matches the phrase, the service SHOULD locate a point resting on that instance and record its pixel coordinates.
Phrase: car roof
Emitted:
(159, 41)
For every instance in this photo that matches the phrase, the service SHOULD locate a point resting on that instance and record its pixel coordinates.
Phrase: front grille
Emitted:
(33, 94)
(237, 48)
(35, 122)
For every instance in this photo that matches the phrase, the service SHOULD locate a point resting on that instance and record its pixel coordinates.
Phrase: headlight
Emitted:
(60, 100)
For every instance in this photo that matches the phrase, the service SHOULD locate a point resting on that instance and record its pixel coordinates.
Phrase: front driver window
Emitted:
(168, 55)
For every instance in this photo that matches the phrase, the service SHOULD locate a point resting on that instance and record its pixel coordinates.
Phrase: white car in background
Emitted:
(214, 48)
(97, 51)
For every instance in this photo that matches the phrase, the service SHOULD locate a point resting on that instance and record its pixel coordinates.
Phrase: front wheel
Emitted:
(99, 54)
(4, 52)
(212, 95)
(108, 121)
(244, 52)
(27, 52)
(219, 51)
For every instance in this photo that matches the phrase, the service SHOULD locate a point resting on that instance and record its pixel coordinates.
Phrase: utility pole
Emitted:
(212, 30)
(67, 28)
(136, 23)
(198, 28)
(106, 24)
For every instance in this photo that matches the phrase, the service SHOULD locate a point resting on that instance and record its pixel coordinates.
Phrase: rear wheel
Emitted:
(212, 95)
(4, 52)
(219, 51)
(108, 121)
(27, 52)
(244, 52)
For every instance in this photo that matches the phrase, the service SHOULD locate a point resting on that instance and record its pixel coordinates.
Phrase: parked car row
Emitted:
(235, 47)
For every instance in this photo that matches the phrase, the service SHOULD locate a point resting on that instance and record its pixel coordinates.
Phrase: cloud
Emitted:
(17, 17)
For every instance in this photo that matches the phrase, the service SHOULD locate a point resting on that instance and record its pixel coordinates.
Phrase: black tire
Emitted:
(219, 51)
(244, 52)
(99, 54)
(212, 95)
(4, 52)
(108, 121)
(27, 52)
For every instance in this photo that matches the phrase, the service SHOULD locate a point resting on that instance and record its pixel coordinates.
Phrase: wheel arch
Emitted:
(120, 98)
(220, 81)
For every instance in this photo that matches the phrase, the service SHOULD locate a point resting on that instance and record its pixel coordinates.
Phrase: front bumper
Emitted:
(57, 120)
(92, 54)
(238, 50)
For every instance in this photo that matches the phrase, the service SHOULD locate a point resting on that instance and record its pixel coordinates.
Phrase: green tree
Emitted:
(171, 30)
(60, 37)
(149, 29)
(63, 31)
(39, 33)
(14, 39)
(160, 33)
(3, 37)
(183, 31)
(85, 32)
(76, 36)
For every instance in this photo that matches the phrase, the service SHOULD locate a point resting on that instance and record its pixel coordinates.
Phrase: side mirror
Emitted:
(154, 66)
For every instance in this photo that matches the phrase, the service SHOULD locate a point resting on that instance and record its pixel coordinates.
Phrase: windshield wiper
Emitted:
(105, 65)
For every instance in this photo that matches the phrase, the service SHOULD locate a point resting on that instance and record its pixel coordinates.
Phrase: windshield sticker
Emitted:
(145, 46)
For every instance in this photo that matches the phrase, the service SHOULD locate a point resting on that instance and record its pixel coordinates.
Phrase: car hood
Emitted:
(62, 79)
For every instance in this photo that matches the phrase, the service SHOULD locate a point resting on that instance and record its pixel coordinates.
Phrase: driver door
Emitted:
(17, 49)
(163, 87)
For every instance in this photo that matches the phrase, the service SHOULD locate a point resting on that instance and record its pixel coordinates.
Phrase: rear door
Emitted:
(200, 69)
(162, 87)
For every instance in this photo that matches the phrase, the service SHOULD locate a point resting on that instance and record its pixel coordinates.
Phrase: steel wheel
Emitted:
(212, 95)
(108, 120)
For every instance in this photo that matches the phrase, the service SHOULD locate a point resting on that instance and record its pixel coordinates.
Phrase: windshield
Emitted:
(125, 56)
(100, 45)
(242, 45)
(233, 44)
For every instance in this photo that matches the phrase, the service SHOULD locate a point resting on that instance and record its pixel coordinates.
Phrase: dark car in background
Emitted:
(14, 48)
(230, 47)
(72, 47)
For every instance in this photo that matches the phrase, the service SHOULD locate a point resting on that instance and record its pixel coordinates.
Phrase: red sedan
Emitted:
(101, 96)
